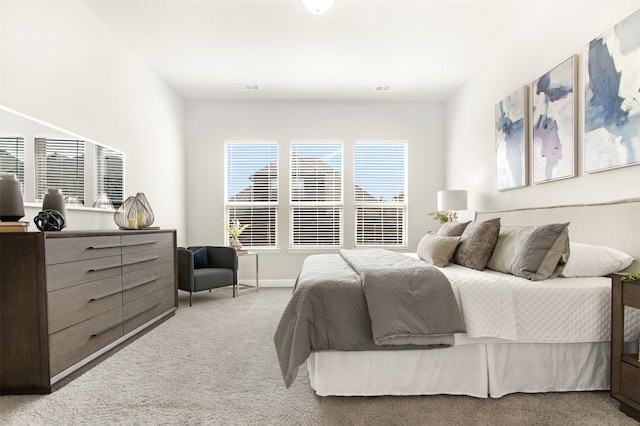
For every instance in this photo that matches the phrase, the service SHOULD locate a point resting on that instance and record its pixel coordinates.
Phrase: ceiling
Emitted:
(204, 48)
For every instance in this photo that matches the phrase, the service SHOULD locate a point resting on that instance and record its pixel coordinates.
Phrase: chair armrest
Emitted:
(185, 269)
(222, 257)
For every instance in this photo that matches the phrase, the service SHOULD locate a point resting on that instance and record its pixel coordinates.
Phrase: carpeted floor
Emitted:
(215, 364)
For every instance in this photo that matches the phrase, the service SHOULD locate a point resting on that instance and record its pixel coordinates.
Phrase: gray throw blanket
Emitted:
(329, 311)
(410, 302)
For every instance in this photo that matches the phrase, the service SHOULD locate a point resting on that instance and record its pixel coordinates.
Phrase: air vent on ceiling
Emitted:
(386, 88)
(248, 87)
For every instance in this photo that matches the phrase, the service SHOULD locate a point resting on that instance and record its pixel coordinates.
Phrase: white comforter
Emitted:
(502, 306)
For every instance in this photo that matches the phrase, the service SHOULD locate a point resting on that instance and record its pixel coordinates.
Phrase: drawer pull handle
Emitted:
(141, 283)
(104, 330)
(142, 243)
(93, 299)
(104, 268)
(144, 312)
(106, 246)
(147, 259)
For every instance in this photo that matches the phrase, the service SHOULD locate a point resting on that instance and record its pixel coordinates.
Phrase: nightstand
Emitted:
(625, 367)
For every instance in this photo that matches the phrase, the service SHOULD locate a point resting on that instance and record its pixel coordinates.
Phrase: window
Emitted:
(316, 209)
(380, 193)
(12, 157)
(110, 169)
(60, 164)
(252, 190)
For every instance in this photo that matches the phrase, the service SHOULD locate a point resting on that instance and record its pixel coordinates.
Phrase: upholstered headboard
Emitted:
(615, 224)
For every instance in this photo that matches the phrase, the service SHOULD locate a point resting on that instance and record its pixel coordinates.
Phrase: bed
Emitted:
(519, 333)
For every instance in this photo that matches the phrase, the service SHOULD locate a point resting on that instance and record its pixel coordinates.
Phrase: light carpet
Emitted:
(215, 364)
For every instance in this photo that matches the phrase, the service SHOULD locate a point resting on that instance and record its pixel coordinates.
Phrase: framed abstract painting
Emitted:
(554, 123)
(511, 141)
(612, 97)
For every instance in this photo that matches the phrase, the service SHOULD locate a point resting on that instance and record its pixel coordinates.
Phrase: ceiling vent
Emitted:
(386, 88)
(248, 87)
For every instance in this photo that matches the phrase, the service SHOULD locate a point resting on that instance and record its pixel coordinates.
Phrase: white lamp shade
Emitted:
(452, 200)
(318, 7)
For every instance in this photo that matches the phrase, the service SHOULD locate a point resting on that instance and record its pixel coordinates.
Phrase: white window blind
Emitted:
(380, 177)
(252, 190)
(12, 157)
(316, 203)
(110, 170)
(60, 164)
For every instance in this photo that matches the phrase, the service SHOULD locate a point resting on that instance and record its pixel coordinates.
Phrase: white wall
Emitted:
(60, 64)
(552, 33)
(210, 124)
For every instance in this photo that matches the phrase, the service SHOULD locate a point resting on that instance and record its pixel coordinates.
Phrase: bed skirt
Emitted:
(480, 370)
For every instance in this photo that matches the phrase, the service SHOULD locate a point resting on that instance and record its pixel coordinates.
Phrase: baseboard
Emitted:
(270, 283)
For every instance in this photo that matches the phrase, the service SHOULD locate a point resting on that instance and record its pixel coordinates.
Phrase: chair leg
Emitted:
(190, 293)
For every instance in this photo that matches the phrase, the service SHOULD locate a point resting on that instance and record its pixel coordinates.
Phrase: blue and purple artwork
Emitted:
(554, 124)
(612, 98)
(511, 141)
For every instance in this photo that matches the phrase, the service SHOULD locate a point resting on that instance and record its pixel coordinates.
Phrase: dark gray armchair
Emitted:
(221, 269)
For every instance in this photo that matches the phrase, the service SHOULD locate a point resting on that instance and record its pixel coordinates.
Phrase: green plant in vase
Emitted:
(443, 218)
(234, 229)
(632, 276)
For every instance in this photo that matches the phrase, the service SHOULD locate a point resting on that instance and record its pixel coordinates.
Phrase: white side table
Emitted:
(249, 287)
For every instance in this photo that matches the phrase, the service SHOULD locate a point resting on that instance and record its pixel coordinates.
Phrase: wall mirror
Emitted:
(43, 156)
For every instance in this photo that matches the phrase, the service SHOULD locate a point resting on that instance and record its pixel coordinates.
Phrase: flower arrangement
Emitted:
(443, 218)
(235, 229)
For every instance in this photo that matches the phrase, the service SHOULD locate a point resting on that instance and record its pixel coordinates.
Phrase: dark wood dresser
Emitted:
(70, 299)
(625, 367)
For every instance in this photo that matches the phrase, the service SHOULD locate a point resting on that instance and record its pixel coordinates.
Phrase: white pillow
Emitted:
(436, 249)
(587, 260)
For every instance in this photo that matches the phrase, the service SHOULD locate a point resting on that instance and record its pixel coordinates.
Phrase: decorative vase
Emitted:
(148, 213)
(103, 202)
(134, 213)
(11, 204)
(54, 200)
(236, 244)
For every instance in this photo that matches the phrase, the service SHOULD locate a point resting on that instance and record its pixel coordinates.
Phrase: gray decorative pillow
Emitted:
(532, 252)
(477, 243)
(504, 253)
(452, 229)
(543, 253)
(437, 250)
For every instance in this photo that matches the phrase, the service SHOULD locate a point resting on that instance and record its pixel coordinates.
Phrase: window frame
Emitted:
(401, 207)
(334, 207)
(271, 203)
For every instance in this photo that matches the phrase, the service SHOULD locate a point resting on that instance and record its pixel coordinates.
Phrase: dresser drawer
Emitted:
(75, 343)
(146, 259)
(144, 281)
(148, 307)
(630, 381)
(72, 305)
(60, 250)
(143, 242)
(73, 273)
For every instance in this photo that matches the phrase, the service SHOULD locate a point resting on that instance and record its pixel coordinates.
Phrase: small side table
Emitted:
(625, 367)
(250, 287)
